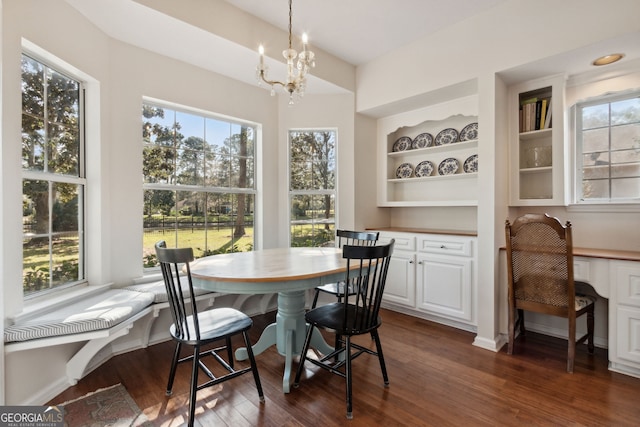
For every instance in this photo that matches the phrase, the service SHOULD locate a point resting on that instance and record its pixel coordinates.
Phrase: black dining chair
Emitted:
(346, 237)
(200, 328)
(356, 314)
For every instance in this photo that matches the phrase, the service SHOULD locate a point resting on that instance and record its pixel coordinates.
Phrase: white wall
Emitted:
(508, 35)
(366, 213)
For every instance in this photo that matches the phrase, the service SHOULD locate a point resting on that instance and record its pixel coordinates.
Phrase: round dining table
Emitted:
(289, 272)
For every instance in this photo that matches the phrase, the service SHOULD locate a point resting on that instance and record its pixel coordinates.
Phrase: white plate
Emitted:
(471, 164)
(403, 143)
(469, 132)
(404, 170)
(448, 166)
(446, 136)
(423, 140)
(424, 168)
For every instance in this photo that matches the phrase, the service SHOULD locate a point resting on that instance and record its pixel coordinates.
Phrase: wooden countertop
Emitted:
(607, 253)
(584, 252)
(426, 231)
(603, 253)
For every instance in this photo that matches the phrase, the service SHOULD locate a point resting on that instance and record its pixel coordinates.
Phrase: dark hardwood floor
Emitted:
(437, 378)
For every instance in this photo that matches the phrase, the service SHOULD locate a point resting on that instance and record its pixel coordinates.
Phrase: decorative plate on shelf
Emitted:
(424, 168)
(448, 166)
(471, 164)
(423, 140)
(404, 170)
(469, 132)
(447, 136)
(403, 143)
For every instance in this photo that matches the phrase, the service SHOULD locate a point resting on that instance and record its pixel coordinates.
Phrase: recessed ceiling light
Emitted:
(608, 59)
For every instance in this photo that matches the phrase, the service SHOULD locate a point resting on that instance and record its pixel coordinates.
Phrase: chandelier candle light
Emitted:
(296, 76)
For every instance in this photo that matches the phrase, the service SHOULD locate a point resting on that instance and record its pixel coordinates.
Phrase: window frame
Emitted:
(53, 178)
(578, 203)
(176, 187)
(293, 193)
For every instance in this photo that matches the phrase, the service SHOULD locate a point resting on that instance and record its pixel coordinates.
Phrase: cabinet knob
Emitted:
(420, 262)
(443, 247)
(411, 262)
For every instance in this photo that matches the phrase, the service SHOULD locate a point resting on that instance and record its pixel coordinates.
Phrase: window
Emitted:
(312, 187)
(608, 150)
(199, 182)
(53, 178)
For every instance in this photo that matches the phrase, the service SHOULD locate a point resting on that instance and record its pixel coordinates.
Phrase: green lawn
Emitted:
(203, 243)
(36, 261)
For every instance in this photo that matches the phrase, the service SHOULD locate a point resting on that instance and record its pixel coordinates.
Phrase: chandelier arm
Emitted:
(270, 82)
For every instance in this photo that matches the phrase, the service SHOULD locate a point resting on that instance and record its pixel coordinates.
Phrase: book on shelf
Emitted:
(547, 119)
(543, 112)
(536, 125)
(534, 114)
(527, 106)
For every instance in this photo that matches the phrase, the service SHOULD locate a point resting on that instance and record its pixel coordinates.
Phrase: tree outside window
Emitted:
(198, 180)
(53, 181)
(312, 187)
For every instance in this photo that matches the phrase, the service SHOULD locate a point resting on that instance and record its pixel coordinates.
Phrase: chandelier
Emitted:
(296, 75)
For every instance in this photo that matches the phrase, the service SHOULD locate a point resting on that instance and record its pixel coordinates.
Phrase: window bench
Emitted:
(98, 319)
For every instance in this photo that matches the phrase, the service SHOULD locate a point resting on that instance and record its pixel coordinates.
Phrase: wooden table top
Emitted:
(270, 265)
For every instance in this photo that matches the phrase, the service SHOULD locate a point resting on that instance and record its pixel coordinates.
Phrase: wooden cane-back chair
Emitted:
(540, 277)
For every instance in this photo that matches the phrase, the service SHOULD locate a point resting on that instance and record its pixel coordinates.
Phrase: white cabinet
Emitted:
(432, 276)
(411, 139)
(538, 156)
(444, 283)
(624, 317)
(401, 277)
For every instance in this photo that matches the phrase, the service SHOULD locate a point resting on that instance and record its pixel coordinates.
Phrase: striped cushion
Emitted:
(160, 291)
(101, 311)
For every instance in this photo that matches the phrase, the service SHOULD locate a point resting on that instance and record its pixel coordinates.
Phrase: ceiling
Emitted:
(356, 31)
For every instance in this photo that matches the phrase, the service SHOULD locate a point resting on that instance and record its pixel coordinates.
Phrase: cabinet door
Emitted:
(444, 286)
(626, 306)
(628, 345)
(401, 278)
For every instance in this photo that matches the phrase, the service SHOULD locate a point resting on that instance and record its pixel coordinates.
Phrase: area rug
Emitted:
(111, 406)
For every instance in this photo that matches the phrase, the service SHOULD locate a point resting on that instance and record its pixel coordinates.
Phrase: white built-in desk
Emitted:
(615, 275)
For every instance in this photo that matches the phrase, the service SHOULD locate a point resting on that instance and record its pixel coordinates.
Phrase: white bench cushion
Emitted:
(100, 311)
(159, 290)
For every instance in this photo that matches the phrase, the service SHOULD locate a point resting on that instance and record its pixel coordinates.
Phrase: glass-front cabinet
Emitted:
(537, 143)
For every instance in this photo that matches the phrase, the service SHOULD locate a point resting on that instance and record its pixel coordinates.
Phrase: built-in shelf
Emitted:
(537, 156)
(470, 175)
(458, 189)
(436, 149)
